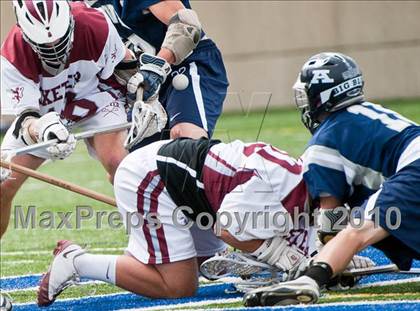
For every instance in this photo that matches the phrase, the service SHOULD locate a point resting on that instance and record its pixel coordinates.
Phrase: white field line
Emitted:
(73, 299)
(49, 252)
(215, 283)
(389, 282)
(36, 287)
(19, 276)
(187, 305)
(328, 305)
(18, 262)
(233, 300)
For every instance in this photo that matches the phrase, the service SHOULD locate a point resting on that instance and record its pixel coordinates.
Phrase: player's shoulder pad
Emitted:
(90, 33)
(20, 55)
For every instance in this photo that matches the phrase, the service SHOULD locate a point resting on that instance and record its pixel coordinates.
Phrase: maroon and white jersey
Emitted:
(259, 185)
(75, 93)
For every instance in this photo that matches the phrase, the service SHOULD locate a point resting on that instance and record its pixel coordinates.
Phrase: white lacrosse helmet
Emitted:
(48, 26)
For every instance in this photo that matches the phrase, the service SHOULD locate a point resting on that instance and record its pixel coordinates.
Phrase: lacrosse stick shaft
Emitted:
(139, 94)
(79, 136)
(59, 183)
(380, 269)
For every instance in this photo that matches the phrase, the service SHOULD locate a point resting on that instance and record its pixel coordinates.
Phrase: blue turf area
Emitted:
(209, 293)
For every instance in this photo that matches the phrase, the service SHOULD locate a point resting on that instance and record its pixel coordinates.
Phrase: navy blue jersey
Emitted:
(355, 150)
(136, 15)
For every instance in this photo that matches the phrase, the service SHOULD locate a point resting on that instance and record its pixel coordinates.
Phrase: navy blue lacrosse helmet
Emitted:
(327, 82)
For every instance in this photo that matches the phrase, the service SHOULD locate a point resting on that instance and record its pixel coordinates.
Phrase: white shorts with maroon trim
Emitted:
(111, 114)
(139, 189)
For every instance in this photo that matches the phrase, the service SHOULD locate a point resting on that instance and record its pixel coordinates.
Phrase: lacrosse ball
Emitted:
(180, 82)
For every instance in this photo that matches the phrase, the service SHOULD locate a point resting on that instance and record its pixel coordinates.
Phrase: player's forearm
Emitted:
(167, 55)
(339, 251)
(164, 10)
(245, 246)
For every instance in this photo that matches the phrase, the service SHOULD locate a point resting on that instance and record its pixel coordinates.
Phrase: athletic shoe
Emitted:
(5, 303)
(302, 290)
(61, 273)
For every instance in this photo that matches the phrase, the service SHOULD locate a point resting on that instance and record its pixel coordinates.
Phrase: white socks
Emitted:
(97, 267)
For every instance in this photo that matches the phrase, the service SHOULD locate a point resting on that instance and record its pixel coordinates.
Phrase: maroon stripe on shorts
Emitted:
(140, 208)
(154, 204)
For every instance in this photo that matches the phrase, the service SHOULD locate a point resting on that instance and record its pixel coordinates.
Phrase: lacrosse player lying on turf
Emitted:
(57, 66)
(204, 176)
(360, 154)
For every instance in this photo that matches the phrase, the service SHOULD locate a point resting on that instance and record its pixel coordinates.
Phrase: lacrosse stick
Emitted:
(59, 183)
(83, 135)
(234, 263)
(379, 270)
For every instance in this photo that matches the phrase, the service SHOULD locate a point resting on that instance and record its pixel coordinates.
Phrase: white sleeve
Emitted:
(114, 51)
(18, 93)
(254, 211)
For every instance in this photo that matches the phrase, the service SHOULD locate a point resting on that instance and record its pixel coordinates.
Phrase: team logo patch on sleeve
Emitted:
(17, 94)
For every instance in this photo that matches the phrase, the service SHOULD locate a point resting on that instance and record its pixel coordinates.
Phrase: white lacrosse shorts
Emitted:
(139, 190)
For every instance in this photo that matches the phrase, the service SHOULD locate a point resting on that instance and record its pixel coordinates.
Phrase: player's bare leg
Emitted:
(349, 242)
(10, 187)
(190, 130)
(172, 280)
(110, 150)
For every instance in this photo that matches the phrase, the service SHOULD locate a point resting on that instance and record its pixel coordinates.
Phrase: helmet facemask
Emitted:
(54, 56)
(302, 103)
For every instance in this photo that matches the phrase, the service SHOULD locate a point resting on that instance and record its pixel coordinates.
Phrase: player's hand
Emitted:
(4, 172)
(147, 119)
(152, 74)
(50, 126)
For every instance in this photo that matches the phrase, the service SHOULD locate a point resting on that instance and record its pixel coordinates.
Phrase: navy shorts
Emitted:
(201, 103)
(402, 193)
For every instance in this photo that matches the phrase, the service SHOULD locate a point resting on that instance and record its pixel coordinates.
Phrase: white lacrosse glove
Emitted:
(345, 280)
(48, 127)
(4, 172)
(277, 252)
(147, 119)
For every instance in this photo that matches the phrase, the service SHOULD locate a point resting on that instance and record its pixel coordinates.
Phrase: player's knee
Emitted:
(187, 130)
(8, 191)
(112, 163)
(176, 132)
(360, 236)
(181, 291)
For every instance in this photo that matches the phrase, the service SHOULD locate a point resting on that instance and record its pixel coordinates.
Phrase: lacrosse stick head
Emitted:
(147, 119)
(233, 264)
